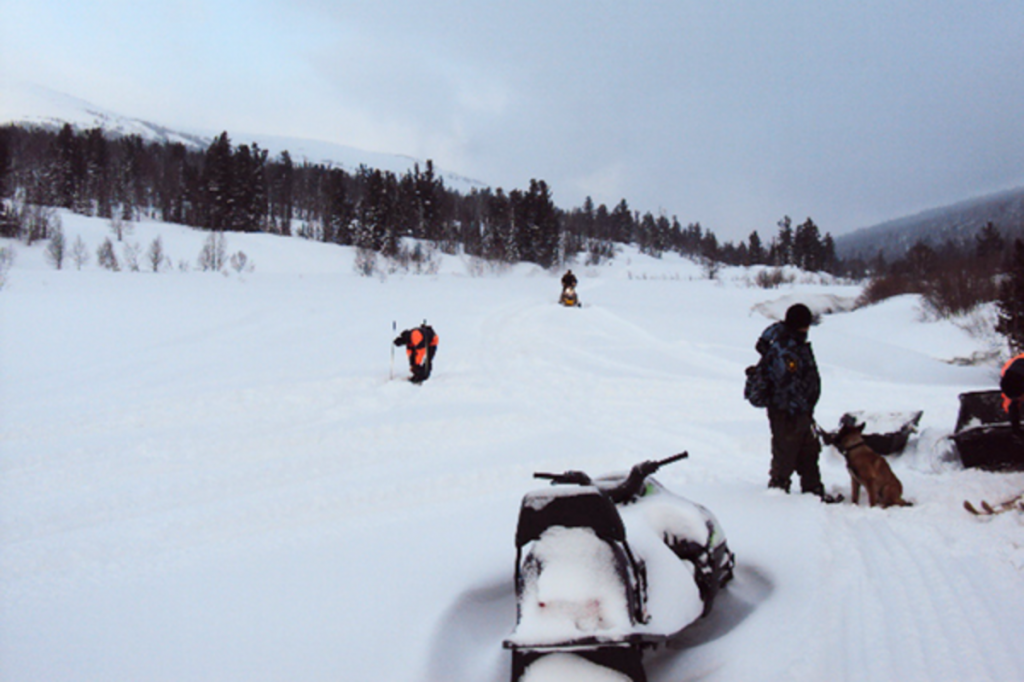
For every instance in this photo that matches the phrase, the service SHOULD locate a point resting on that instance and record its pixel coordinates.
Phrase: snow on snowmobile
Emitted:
(569, 298)
(607, 568)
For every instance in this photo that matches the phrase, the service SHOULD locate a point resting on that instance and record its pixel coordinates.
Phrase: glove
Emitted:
(398, 341)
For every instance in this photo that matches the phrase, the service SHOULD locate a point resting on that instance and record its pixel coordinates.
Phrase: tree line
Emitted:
(229, 187)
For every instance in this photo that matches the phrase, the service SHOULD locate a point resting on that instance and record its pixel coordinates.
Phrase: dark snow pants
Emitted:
(795, 447)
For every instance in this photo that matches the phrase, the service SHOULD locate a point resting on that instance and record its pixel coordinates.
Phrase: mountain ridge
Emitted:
(35, 105)
(958, 221)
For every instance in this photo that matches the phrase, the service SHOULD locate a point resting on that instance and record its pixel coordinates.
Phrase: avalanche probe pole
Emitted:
(391, 372)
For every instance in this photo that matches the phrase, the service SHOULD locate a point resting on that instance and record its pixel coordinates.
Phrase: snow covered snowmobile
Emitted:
(606, 568)
(569, 298)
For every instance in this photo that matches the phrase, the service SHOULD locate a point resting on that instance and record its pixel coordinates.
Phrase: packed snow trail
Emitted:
(208, 477)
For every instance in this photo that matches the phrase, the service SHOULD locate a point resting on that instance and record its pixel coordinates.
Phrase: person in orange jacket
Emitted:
(420, 346)
(1012, 385)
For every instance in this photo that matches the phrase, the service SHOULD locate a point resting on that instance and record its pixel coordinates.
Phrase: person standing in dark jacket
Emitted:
(794, 387)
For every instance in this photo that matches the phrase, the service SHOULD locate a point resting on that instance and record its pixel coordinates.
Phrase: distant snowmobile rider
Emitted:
(420, 346)
(568, 281)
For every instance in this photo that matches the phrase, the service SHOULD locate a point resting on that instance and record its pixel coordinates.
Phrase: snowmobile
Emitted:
(983, 436)
(569, 298)
(607, 568)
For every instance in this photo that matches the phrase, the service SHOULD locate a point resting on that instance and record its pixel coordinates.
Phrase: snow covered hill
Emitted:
(31, 104)
(215, 476)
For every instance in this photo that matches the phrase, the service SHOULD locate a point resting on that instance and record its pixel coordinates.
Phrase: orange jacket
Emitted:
(1007, 401)
(417, 346)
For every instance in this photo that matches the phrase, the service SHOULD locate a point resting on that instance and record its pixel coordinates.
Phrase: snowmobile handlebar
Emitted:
(576, 477)
(627, 489)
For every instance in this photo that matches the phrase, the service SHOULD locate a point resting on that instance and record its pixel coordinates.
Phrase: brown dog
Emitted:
(867, 468)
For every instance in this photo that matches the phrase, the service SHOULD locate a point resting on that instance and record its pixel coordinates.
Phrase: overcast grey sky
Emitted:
(730, 113)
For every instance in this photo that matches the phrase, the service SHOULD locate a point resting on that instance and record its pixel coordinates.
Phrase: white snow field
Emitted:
(210, 477)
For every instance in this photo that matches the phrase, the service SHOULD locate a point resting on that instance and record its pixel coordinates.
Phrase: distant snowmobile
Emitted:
(569, 298)
(606, 568)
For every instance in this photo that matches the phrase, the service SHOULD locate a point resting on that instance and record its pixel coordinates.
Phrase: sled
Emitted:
(983, 436)
(886, 433)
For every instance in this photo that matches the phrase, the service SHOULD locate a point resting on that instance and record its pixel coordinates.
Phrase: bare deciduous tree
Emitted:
(120, 227)
(79, 253)
(55, 249)
(155, 255)
(131, 256)
(212, 256)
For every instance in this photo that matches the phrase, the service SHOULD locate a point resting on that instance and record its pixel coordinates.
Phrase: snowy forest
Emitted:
(238, 188)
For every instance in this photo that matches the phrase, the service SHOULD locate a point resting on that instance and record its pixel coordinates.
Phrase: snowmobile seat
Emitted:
(980, 407)
(584, 507)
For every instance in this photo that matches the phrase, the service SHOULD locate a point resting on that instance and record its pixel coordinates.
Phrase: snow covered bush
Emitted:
(6, 261)
(35, 222)
(772, 278)
(55, 249)
(105, 256)
(213, 254)
(365, 262)
(240, 262)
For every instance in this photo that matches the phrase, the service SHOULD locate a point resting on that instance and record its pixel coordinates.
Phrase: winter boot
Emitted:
(819, 490)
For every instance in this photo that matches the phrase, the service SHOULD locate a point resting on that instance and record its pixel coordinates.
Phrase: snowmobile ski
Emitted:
(987, 509)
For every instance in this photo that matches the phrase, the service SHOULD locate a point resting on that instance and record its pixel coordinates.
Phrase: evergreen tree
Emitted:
(692, 238)
(97, 188)
(247, 189)
(282, 193)
(218, 197)
(783, 246)
(539, 225)
(502, 222)
(755, 250)
(1010, 303)
(988, 242)
(65, 173)
(829, 260)
(340, 213)
(807, 253)
(622, 223)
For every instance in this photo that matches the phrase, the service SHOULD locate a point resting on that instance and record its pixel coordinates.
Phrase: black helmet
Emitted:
(798, 317)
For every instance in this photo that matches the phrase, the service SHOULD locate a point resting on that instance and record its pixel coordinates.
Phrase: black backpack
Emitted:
(757, 390)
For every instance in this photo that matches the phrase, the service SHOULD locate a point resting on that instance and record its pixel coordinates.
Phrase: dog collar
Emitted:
(850, 449)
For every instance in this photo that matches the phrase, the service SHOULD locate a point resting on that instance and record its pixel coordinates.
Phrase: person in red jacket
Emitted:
(1012, 385)
(420, 346)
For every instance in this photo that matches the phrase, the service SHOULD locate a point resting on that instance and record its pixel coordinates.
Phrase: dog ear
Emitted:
(860, 427)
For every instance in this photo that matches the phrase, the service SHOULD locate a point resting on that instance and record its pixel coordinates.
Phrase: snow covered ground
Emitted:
(211, 477)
